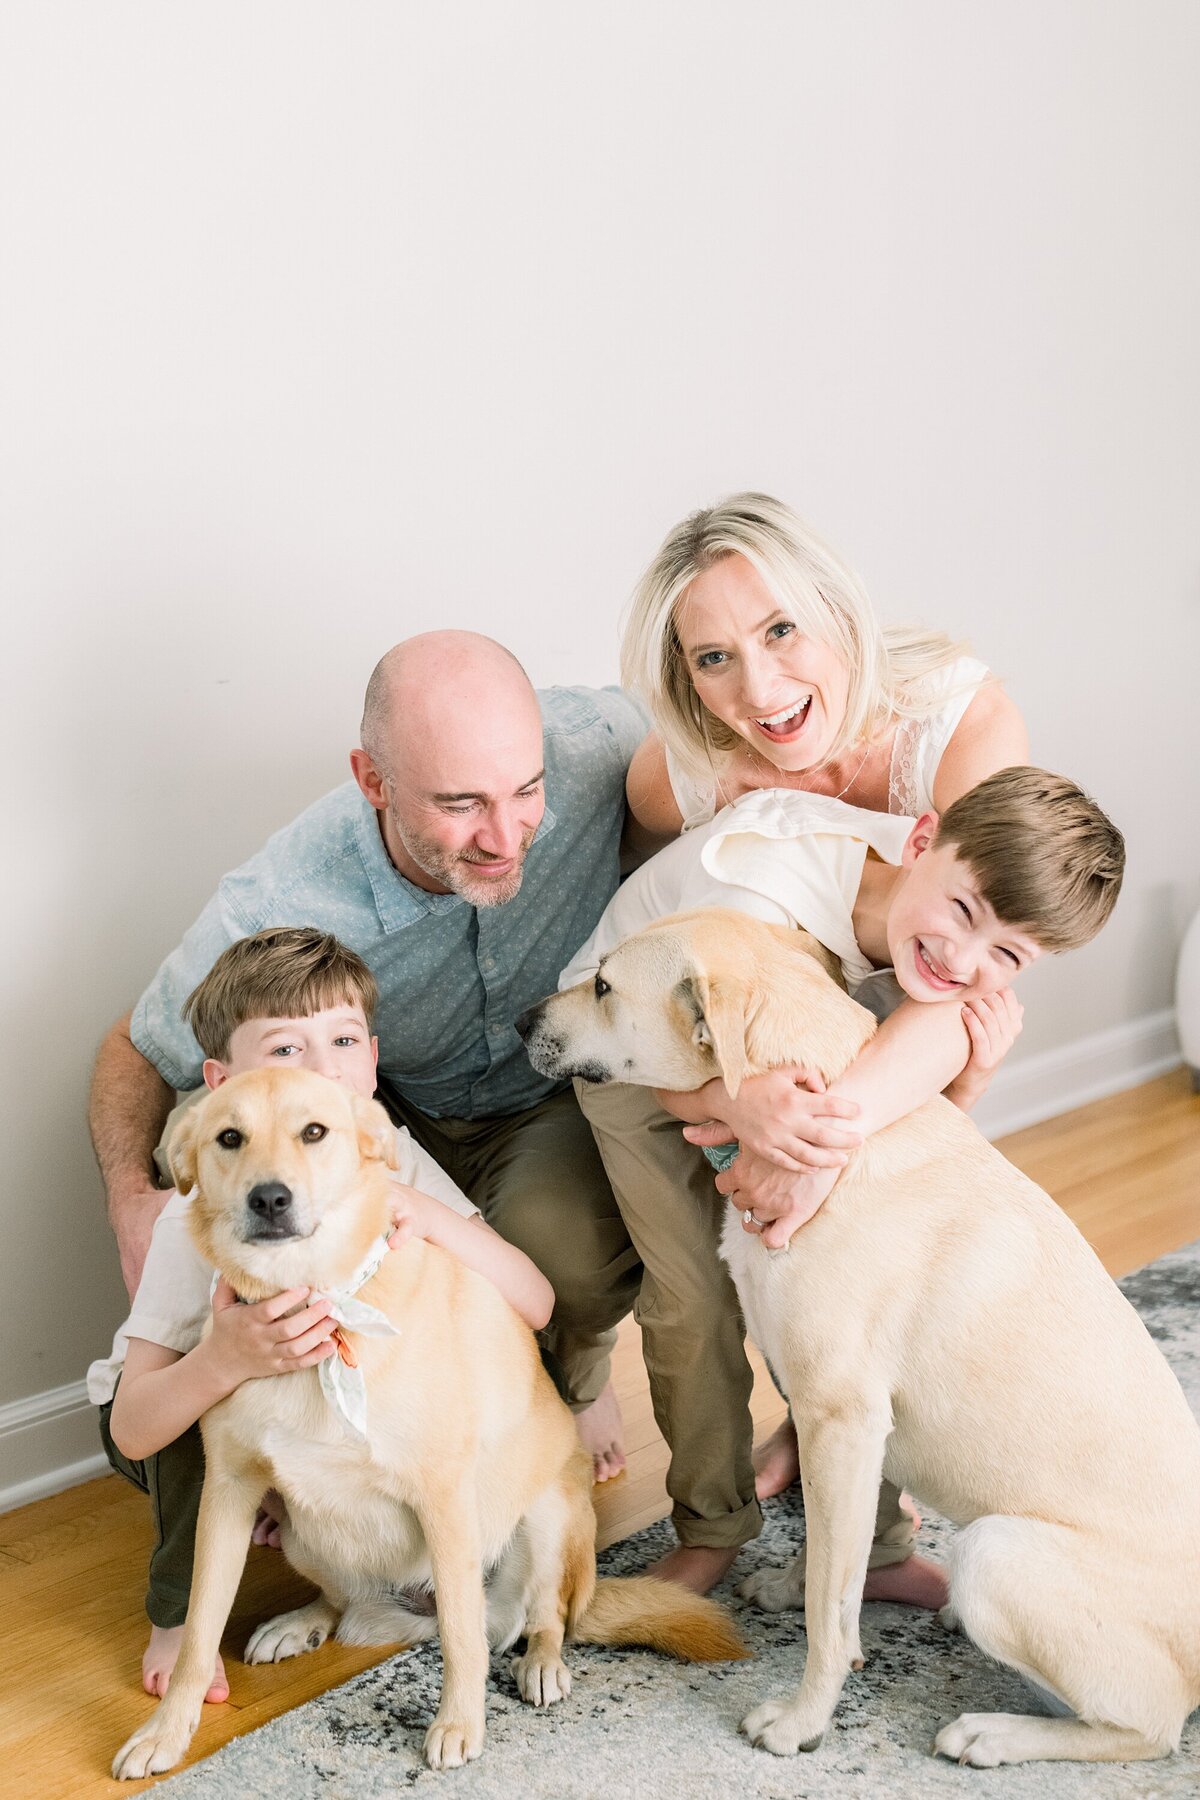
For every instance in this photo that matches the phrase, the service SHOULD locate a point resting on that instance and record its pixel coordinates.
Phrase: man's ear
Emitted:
(181, 1151)
(214, 1073)
(369, 778)
(376, 1133)
(919, 839)
(719, 1024)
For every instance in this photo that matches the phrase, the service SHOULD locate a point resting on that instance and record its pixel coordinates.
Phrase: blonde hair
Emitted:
(284, 972)
(812, 584)
(1046, 859)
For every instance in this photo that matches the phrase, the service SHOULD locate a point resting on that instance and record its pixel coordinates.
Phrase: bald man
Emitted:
(471, 855)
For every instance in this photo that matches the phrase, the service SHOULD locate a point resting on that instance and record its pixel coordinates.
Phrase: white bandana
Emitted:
(342, 1382)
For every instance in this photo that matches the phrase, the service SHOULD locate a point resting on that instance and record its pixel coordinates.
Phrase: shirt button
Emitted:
(488, 964)
(495, 1031)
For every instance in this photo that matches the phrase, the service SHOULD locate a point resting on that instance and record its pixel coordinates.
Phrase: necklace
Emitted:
(763, 762)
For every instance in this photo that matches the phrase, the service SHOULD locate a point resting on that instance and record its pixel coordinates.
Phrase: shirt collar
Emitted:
(398, 901)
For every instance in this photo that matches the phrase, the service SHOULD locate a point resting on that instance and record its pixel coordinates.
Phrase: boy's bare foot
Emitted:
(162, 1653)
(915, 1582)
(271, 1515)
(777, 1462)
(601, 1432)
(695, 1566)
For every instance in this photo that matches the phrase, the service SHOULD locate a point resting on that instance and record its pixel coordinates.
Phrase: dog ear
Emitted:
(719, 1014)
(181, 1151)
(376, 1133)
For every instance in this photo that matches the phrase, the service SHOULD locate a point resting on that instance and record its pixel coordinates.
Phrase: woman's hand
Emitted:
(993, 1025)
(780, 1203)
(783, 1117)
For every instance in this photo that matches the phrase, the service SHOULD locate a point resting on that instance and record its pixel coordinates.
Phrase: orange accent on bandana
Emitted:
(344, 1349)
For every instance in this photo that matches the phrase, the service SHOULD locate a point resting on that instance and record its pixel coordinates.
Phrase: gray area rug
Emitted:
(641, 1726)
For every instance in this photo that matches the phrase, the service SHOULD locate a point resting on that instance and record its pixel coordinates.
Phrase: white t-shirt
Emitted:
(788, 857)
(172, 1304)
(917, 748)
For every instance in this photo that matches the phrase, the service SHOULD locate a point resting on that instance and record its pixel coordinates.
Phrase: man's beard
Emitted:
(457, 872)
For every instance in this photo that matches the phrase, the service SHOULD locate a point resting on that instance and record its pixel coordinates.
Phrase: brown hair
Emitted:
(1046, 859)
(284, 972)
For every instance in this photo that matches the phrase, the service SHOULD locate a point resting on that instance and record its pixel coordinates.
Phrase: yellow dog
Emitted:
(442, 1452)
(940, 1321)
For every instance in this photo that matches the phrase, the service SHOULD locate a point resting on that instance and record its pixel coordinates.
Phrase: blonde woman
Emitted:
(763, 666)
(760, 657)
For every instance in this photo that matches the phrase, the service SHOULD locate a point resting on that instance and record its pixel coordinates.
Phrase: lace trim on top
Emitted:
(904, 792)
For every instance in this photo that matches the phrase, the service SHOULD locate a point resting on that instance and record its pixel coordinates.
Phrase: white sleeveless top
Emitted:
(917, 750)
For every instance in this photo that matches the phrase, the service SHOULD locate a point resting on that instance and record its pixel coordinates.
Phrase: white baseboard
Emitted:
(48, 1442)
(1056, 1081)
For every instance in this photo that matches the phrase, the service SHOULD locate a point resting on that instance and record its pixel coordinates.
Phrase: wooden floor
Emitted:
(72, 1568)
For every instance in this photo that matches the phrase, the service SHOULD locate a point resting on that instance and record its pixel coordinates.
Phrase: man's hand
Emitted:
(782, 1117)
(268, 1338)
(993, 1026)
(134, 1217)
(780, 1202)
(129, 1105)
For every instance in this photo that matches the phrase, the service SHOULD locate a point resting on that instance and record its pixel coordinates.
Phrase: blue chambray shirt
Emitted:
(452, 978)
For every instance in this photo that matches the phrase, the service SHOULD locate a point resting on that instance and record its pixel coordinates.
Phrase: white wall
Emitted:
(322, 324)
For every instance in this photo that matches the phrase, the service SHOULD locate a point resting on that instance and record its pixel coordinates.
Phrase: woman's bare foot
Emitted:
(914, 1582)
(271, 1515)
(601, 1432)
(777, 1462)
(162, 1653)
(695, 1566)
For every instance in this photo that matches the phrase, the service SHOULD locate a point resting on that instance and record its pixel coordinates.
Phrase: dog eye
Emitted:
(231, 1139)
(312, 1134)
(602, 987)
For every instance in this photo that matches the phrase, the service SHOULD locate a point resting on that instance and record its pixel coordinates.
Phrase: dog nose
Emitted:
(270, 1199)
(524, 1021)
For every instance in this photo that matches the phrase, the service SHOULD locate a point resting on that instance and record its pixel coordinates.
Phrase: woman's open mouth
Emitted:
(785, 726)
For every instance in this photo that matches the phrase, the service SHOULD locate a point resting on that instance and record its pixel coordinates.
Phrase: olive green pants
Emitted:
(538, 1180)
(173, 1478)
(693, 1333)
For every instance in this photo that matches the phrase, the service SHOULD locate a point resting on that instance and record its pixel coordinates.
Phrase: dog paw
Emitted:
(777, 1727)
(948, 1618)
(542, 1680)
(153, 1749)
(371, 1622)
(977, 1740)
(290, 1634)
(449, 1743)
(775, 1590)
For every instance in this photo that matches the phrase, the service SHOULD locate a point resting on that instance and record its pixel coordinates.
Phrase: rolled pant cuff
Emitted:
(165, 1613)
(586, 1393)
(729, 1532)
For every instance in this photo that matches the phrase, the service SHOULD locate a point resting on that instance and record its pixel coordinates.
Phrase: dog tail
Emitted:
(659, 1615)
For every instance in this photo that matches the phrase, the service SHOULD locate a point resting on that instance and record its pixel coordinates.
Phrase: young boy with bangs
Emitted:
(296, 998)
(931, 921)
